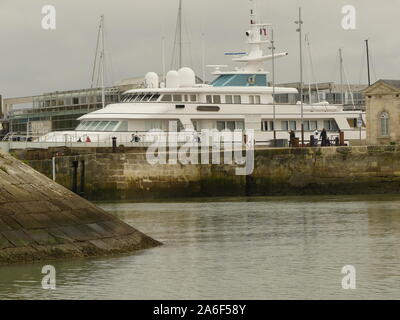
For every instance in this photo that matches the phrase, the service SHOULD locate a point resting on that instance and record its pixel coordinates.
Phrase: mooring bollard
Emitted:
(114, 144)
(75, 165)
(82, 189)
(341, 138)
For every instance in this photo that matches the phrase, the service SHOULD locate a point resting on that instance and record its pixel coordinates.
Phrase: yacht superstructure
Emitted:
(238, 99)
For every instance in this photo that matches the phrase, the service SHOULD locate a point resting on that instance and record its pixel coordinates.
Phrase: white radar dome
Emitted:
(172, 79)
(151, 80)
(187, 77)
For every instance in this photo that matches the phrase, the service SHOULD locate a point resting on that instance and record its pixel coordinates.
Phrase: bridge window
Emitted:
(155, 97)
(254, 99)
(146, 97)
(177, 98)
(241, 80)
(229, 99)
(216, 99)
(123, 126)
(237, 99)
(97, 126)
(166, 98)
(111, 126)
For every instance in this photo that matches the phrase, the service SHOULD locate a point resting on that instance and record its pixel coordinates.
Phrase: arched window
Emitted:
(384, 124)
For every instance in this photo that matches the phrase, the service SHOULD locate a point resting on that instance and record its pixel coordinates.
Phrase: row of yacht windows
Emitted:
(179, 98)
(143, 97)
(309, 125)
(105, 126)
(232, 99)
(212, 99)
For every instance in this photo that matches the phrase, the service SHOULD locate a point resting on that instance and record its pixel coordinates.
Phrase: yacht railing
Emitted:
(144, 139)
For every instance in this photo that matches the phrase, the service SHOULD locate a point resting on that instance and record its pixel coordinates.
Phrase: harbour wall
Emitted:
(127, 175)
(41, 220)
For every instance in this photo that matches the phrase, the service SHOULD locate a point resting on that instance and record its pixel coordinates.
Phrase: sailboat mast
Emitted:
(299, 30)
(103, 94)
(273, 84)
(368, 68)
(341, 76)
(180, 33)
(96, 55)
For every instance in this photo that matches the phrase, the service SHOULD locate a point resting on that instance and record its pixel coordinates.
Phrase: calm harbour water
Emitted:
(259, 248)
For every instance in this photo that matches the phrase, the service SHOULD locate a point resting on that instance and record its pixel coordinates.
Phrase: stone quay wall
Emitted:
(41, 220)
(127, 175)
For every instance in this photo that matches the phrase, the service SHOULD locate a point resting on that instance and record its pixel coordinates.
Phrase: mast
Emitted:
(341, 75)
(177, 53)
(163, 59)
(368, 68)
(273, 83)
(299, 30)
(254, 59)
(103, 94)
(308, 70)
(97, 53)
(203, 59)
(311, 73)
(180, 33)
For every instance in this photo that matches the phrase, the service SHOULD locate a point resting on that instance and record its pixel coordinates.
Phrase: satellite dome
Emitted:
(172, 79)
(187, 77)
(151, 80)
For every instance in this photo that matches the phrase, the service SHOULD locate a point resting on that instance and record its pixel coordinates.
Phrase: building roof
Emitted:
(383, 86)
(392, 83)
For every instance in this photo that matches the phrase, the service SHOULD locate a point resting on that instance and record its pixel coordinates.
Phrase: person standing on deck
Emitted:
(292, 138)
(324, 138)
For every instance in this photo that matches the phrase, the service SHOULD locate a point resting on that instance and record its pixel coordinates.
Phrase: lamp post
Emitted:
(273, 83)
(299, 30)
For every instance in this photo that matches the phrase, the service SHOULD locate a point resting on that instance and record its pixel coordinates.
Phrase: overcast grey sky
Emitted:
(34, 61)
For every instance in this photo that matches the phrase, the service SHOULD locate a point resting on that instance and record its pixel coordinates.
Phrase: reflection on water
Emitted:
(262, 248)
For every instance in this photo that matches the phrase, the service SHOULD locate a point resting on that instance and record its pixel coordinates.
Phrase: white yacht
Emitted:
(238, 99)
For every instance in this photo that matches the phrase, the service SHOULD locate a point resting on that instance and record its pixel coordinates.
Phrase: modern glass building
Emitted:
(56, 111)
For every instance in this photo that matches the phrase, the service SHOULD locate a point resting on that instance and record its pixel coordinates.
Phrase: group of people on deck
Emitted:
(86, 140)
